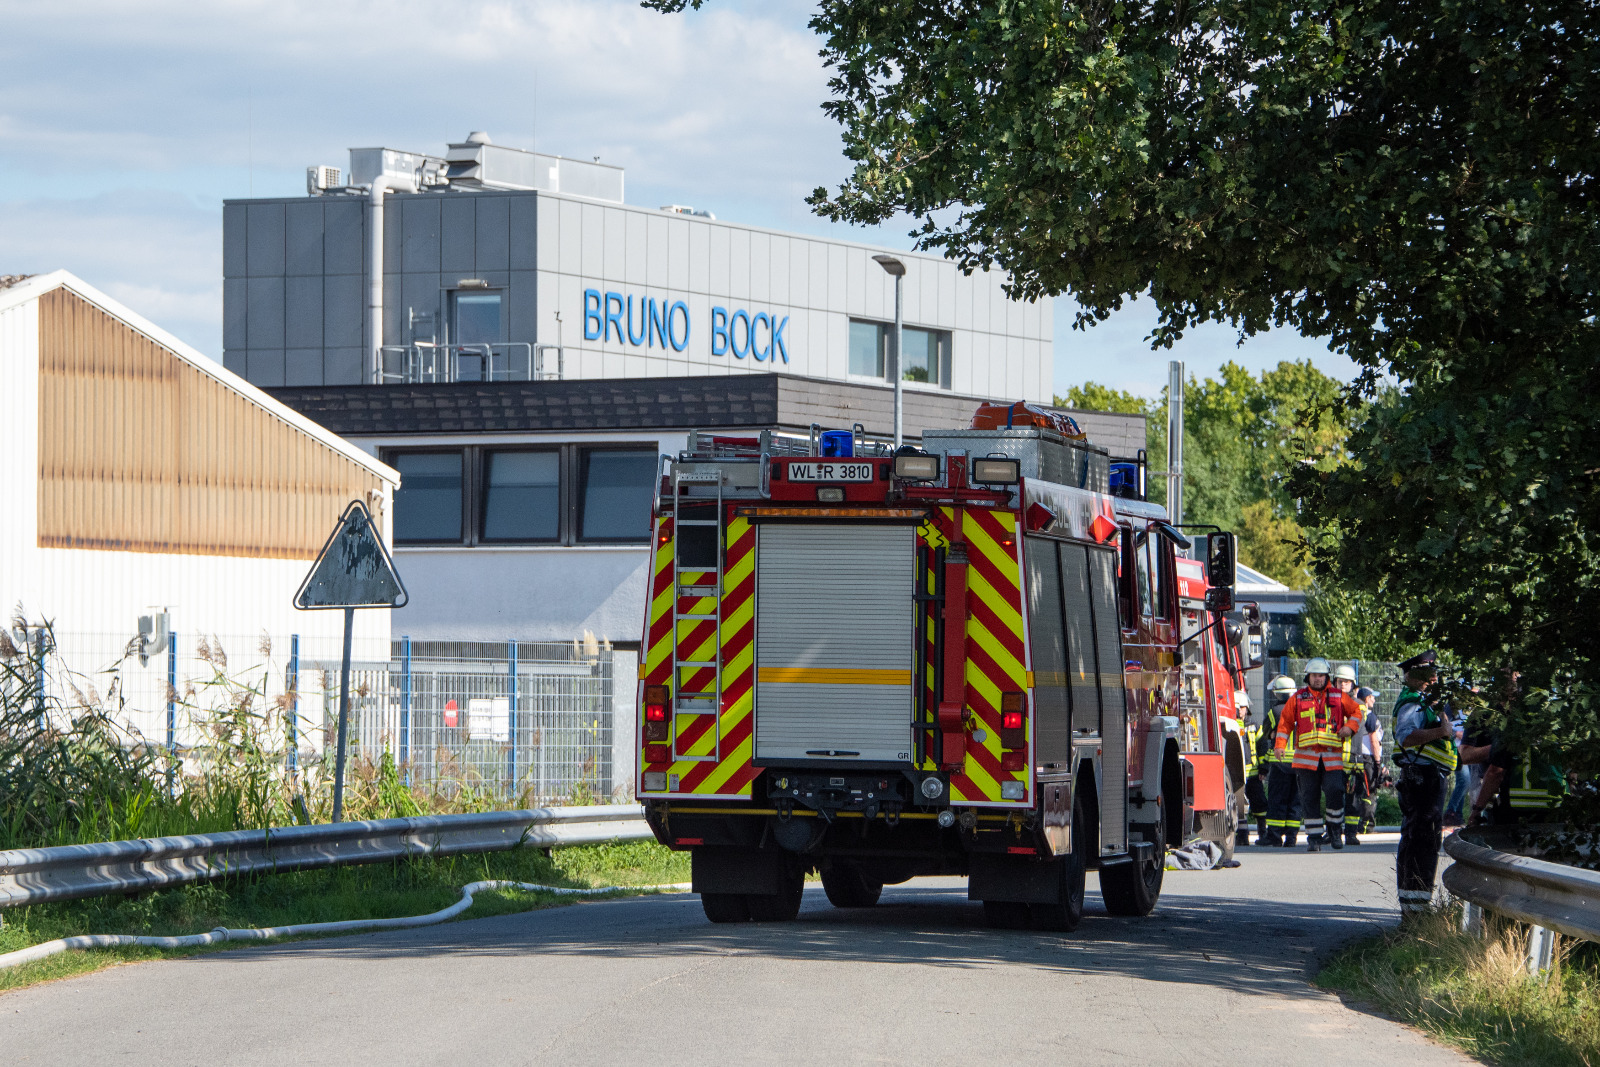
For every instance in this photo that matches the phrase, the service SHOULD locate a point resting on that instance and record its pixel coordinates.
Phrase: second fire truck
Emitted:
(978, 657)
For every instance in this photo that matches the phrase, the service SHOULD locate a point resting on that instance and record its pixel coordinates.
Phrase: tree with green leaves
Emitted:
(1417, 183)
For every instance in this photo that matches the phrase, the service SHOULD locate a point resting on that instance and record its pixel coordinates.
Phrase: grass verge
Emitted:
(1474, 991)
(408, 887)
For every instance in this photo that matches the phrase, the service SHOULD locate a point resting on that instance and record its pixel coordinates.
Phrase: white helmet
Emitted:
(1318, 666)
(1345, 671)
(1282, 684)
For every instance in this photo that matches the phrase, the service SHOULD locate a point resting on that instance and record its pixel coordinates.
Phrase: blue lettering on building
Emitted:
(645, 322)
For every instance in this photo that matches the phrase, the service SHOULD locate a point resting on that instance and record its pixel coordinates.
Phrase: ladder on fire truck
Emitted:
(700, 701)
(1192, 670)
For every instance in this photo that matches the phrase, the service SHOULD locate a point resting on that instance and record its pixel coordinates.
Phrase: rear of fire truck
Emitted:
(881, 666)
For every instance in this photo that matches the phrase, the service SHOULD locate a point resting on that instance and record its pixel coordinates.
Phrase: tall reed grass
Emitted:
(1475, 991)
(72, 771)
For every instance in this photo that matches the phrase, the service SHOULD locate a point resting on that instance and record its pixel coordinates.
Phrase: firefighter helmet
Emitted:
(1282, 684)
(1345, 672)
(1318, 666)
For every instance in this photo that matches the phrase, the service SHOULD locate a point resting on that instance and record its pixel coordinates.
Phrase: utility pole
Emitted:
(1175, 441)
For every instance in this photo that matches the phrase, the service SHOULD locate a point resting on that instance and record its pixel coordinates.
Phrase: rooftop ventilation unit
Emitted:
(321, 178)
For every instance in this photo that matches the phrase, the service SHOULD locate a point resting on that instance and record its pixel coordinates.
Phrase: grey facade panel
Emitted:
(522, 228)
(458, 236)
(234, 238)
(302, 238)
(344, 366)
(264, 313)
(417, 291)
(235, 360)
(233, 314)
(265, 366)
(343, 311)
(344, 236)
(522, 306)
(493, 230)
(264, 242)
(302, 312)
(419, 225)
(302, 366)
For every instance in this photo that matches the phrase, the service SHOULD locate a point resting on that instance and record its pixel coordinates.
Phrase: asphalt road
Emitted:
(1218, 975)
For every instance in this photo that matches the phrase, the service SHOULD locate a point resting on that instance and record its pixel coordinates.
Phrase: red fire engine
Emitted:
(966, 658)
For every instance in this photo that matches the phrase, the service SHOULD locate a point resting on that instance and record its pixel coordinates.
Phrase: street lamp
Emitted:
(898, 270)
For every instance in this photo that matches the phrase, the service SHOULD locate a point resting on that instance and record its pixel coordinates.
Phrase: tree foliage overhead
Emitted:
(1415, 182)
(1243, 435)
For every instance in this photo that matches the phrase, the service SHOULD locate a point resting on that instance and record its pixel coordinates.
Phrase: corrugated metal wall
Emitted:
(140, 451)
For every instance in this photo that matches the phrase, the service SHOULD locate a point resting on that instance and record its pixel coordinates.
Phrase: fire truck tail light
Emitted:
(1013, 712)
(1011, 720)
(664, 532)
(655, 703)
(655, 781)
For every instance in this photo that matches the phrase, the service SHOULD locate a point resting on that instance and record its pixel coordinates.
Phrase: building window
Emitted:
(618, 489)
(926, 359)
(477, 319)
(521, 496)
(428, 505)
(869, 348)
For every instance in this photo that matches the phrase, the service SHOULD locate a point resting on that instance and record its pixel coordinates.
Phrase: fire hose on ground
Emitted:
(222, 933)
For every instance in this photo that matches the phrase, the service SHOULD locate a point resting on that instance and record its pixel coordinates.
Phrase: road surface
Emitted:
(1218, 975)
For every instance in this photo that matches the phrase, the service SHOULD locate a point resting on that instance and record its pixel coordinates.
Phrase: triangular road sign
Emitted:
(353, 569)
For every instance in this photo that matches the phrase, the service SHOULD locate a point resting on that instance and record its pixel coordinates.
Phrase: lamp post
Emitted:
(898, 270)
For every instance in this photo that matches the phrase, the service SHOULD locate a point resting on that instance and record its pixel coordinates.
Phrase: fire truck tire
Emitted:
(1232, 817)
(725, 907)
(847, 887)
(1065, 916)
(1133, 888)
(1006, 915)
(782, 906)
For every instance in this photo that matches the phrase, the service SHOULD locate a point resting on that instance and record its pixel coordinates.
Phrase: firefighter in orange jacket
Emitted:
(1319, 717)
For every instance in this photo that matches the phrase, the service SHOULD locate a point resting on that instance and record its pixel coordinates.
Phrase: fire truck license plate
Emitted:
(830, 472)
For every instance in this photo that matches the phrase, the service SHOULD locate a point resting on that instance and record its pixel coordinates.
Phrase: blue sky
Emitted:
(123, 127)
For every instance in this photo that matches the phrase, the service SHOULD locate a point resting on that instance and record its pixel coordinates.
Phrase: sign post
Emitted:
(352, 571)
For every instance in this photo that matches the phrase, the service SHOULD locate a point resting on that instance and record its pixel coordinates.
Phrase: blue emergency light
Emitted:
(836, 444)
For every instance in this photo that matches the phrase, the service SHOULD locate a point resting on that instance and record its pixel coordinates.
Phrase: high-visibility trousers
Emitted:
(1329, 781)
(1359, 787)
(1283, 804)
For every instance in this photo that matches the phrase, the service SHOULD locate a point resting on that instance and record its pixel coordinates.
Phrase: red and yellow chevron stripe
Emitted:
(996, 649)
(709, 754)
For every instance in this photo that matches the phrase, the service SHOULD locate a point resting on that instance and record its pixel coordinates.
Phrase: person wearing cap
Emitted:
(1318, 718)
(1426, 754)
(1365, 754)
(1283, 814)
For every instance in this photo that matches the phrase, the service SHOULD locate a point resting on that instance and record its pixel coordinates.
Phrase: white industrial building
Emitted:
(143, 479)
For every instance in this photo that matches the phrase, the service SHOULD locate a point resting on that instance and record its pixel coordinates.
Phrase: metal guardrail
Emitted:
(1553, 896)
(69, 872)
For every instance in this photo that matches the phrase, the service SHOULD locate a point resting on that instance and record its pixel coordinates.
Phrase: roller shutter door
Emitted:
(834, 634)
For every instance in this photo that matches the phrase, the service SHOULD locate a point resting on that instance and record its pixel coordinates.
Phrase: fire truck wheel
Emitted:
(1006, 915)
(1132, 888)
(1065, 916)
(847, 887)
(782, 906)
(1233, 817)
(725, 907)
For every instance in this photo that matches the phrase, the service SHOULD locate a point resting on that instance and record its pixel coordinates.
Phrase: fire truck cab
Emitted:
(966, 658)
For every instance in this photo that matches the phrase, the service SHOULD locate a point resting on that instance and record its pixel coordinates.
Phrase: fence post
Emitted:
(294, 702)
(172, 711)
(1541, 949)
(511, 721)
(405, 706)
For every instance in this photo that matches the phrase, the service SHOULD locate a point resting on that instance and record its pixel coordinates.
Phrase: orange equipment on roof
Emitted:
(991, 416)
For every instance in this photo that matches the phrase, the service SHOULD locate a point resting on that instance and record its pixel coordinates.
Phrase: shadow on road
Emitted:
(1245, 945)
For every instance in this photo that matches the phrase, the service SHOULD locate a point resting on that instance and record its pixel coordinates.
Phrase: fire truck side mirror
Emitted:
(1222, 563)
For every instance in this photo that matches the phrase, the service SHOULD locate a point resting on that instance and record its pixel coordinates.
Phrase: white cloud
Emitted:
(123, 127)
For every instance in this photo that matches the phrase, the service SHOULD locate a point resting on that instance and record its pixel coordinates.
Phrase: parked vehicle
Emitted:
(966, 658)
